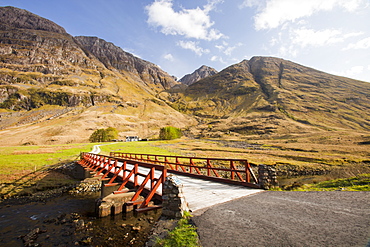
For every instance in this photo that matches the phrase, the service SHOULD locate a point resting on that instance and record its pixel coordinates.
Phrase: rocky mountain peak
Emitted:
(203, 72)
(11, 17)
(113, 57)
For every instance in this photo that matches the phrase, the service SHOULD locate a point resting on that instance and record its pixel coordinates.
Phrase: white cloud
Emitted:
(290, 50)
(273, 13)
(352, 72)
(251, 3)
(191, 23)
(362, 44)
(217, 59)
(169, 57)
(226, 49)
(305, 37)
(193, 46)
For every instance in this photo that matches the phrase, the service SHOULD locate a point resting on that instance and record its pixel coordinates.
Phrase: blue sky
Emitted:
(180, 36)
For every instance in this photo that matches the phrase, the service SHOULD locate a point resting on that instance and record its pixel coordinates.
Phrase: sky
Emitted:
(181, 35)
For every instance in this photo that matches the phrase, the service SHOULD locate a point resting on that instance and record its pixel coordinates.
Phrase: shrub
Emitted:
(103, 135)
(169, 133)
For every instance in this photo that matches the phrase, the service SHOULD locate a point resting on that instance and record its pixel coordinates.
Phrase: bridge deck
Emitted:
(200, 193)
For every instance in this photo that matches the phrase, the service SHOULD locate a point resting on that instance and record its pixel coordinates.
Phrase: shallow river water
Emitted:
(70, 221)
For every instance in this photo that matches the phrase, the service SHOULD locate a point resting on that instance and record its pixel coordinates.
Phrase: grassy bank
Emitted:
(26, 169)
(357, 183)
(184, 235)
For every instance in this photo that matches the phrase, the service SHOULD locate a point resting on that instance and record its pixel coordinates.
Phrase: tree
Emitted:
(169, 133)
(112, 133)
(103, 135)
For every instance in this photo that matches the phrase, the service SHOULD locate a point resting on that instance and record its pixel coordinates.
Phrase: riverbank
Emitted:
(65, 216)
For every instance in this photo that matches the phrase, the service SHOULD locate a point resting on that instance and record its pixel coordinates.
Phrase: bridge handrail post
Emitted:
(232, 167)
(177, 163)
(208, 166)
(136, 169)
(247, 172)
(124, 170)
(152, 178)
(191, 165)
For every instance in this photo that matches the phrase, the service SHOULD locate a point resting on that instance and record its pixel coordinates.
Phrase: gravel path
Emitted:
(272, 218)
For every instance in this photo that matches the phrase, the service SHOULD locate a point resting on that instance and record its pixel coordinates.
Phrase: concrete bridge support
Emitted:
(110, 203)
(113, 204)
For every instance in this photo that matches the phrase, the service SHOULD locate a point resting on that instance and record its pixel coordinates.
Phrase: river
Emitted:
(70, 220)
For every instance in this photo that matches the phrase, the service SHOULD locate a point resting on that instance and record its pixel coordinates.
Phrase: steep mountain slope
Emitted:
(201, 73)
(266, 94)
(114, 57)
(55, 88)
(46, 74)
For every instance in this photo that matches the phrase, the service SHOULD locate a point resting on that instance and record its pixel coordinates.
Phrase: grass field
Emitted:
(360, 182)
(24, 166)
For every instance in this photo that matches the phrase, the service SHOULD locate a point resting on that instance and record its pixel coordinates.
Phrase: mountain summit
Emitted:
(49, 78)
(266, 94)
(56, 88)
(201, 73)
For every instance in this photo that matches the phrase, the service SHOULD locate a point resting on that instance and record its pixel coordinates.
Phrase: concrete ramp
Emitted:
(201, 194)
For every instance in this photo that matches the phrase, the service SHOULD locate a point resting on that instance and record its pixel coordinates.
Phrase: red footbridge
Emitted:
(207, 181)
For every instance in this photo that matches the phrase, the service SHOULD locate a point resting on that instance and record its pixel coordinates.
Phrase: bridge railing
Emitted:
(234, 171)
(114, 168)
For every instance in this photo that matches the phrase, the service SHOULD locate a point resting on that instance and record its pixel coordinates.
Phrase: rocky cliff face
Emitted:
(201, 73)
(70, 86)
(11, 17)
(114, 57)
(37, 54)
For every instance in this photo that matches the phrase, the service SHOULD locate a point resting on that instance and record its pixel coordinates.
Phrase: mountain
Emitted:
(201, 73)
(53, 84)
(115, 58)
(56, 88)
(268, 95)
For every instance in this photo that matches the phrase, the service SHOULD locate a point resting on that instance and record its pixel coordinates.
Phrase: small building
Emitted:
(132, 138)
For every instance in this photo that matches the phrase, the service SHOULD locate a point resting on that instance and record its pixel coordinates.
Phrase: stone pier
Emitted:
(174, 204)
(267, 177)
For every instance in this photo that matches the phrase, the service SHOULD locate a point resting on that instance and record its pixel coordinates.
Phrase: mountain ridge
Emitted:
(60, 88)
(43, 70)
(282, 89)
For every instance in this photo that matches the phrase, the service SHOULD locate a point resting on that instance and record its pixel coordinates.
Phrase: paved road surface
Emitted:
(271, 218)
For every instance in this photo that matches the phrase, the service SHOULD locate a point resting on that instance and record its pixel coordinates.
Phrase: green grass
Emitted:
(358, 183)
(151, 147)
(18, 161)
(24, 169)
(184, 235)
(25, 159)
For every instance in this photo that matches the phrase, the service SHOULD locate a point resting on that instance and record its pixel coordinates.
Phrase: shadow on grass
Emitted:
(43, 179)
